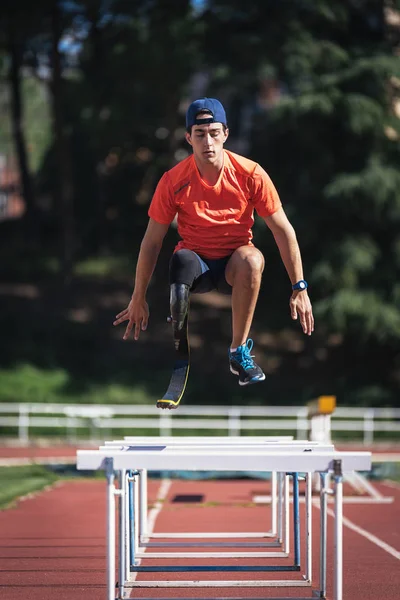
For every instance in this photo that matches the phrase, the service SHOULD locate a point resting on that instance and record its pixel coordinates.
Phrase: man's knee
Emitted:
(254, 261)
(184, 267)
(246, 262)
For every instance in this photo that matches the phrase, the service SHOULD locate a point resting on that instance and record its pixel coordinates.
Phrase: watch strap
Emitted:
(300, 285)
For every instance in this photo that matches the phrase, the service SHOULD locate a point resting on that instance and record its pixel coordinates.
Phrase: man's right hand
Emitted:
(137, 313)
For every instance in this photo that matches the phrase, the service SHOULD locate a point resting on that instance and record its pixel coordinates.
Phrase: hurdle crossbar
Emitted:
(251, 460)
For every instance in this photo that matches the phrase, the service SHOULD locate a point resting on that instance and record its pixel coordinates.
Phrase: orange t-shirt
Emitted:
(214, 220)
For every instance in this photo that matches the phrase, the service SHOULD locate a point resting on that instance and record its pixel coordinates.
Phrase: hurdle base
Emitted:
(162, 555)
(228, 598)
(213, 568)
(276, 544)
(257, 583)
(206, 535)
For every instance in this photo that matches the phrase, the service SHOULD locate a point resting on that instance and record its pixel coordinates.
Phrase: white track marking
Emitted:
(392, 484)
(346, 500)
(359, 481)
(155, 510)
(369, 536)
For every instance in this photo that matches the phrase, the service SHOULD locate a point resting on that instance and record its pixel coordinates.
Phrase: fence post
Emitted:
(302, 424)
(23, 423)
(319, 415)
(165, 424)
(234, 421)
(369, 426)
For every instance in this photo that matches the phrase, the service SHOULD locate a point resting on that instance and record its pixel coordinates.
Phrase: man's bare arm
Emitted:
(137, 312)
(286, 240)
(148, 256)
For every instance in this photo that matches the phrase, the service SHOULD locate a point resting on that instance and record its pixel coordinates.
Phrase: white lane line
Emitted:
(155, 510)
(392, 484)
(369, 536)
(151, 519)
(346, 500)
(365, 485)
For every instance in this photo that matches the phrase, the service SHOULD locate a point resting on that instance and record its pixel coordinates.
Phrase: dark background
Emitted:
(92, 103)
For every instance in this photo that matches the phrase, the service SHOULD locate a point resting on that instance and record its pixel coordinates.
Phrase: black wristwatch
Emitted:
(300, 285)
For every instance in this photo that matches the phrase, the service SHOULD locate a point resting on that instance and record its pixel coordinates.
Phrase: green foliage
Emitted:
(361, 313)
(26, 382)
(106, 266)
(360, 255)
(37, 123)
(310, 89)
(20, 481)
(363, 115)
(369, 194)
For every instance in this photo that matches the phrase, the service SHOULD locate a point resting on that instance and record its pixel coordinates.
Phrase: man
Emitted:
(214, 193)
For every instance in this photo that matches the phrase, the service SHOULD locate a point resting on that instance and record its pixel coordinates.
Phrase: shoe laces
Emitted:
(246, 359)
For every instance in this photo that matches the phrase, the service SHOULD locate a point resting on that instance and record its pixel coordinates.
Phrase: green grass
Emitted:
(26, 382)
(388, 470)
(16, 482)
(105, 266)
(19, 481)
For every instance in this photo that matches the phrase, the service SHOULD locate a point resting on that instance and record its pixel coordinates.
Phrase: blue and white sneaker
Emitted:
(241, 363)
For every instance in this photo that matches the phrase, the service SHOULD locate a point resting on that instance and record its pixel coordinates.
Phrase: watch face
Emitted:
(302, 285)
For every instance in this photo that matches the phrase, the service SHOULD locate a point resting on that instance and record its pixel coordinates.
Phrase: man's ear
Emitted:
(226, 134)
(188, 138)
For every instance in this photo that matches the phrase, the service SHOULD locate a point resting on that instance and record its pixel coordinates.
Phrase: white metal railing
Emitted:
(26, 417)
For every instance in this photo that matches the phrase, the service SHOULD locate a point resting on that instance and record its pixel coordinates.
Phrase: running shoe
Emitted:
(241, 363)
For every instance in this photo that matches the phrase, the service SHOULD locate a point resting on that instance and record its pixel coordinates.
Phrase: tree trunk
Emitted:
(64, 187)
(17, 127)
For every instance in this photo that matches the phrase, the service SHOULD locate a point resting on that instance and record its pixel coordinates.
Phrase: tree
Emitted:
(64, 187)
(11, 42)
(331, 143)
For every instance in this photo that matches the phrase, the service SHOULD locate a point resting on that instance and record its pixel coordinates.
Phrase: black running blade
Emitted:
(176, 387)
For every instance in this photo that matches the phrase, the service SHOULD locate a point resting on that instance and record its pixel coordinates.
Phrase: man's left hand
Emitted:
(300, 306)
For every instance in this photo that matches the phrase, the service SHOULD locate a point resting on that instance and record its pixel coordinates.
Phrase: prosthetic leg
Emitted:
(179, 304)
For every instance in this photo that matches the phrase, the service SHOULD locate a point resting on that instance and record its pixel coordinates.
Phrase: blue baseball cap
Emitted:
(210, 104)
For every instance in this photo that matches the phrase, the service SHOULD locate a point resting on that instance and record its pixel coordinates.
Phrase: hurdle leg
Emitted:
(308, 574)
(110, 529)
(323, 534)
(134, 517)
(126, 528)
(296, 519)
(143, 506)
(286, 544)
(122, 541)
(137, 511)
(273, 504)
(338, 535)
(131, 521)
(280, 508)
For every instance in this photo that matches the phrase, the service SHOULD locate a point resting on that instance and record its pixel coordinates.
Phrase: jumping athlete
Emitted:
(214, 193)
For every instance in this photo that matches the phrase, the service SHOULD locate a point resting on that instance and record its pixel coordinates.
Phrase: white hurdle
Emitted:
(276, 499)
(261, 458)
(140, 508)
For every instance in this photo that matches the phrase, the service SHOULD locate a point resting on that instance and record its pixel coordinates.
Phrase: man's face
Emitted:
(207, 142)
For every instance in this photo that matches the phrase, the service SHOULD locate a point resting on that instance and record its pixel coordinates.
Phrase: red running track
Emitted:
(53, 544)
